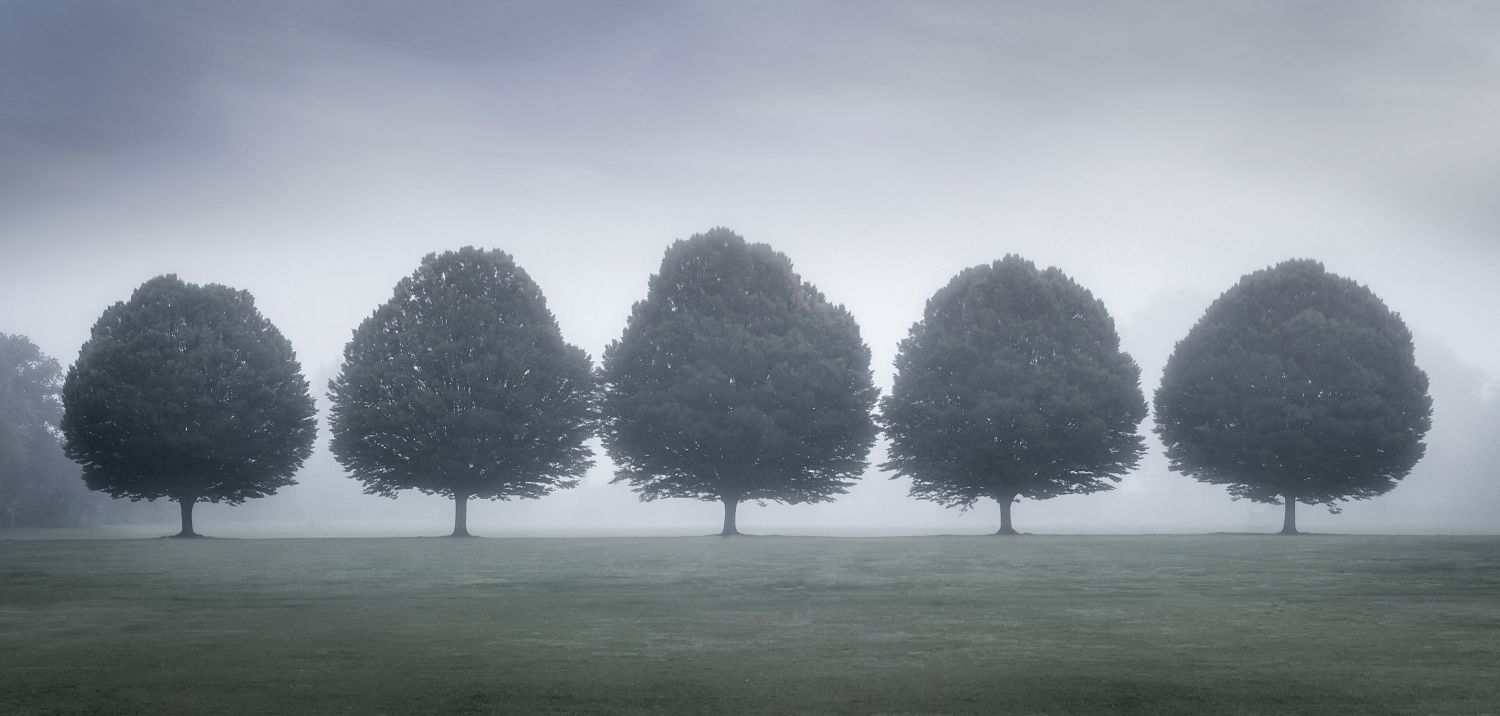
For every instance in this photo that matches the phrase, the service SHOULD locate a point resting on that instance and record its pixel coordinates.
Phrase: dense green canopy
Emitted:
(735, 380)
(187, 392)
(1295, 385)
(1012, 385)
(461, 385)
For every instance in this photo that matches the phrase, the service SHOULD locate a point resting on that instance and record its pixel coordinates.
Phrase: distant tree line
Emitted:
(734, 380)
(39, 486)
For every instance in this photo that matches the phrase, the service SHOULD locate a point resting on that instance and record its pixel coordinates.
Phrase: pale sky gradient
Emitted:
(312, 152)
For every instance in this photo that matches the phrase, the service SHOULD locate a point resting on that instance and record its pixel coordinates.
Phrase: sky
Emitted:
(313, 152)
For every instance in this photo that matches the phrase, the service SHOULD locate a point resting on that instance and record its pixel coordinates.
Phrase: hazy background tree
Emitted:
(1296, 384)
(187, 392)
(39, 486)
(461, 385)
(1013, 385)
(736, 380)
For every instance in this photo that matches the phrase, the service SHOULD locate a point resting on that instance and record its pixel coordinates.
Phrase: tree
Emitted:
(461, 385)
(187, 392)
(38, 485)
(1296, 384)
(735, 380)
(1012, 385)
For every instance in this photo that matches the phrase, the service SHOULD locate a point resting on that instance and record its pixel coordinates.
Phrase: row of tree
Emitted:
(736, 380)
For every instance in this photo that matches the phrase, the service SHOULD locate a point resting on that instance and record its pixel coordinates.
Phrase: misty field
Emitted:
(1048, 625)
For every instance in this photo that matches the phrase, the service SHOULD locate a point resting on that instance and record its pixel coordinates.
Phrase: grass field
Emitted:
(1045, 625)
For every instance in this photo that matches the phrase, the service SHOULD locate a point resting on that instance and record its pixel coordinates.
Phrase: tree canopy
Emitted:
(736, 380)
(1012, 385)
(38, 485)
(461, 385)
(187, 392)
(1295, 385)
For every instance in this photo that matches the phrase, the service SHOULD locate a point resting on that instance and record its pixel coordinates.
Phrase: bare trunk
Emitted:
(1289, 521)
(185, 505)
(731, 505)
(1005, 502)
(460, 516)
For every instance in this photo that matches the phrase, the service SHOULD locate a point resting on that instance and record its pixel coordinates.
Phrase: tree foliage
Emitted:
(187, 392)
(461, 385)
(1012, 385)
(38, 485)
(1295, 385)
(735, 380)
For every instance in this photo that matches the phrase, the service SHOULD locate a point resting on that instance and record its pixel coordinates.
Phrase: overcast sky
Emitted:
(313, 152)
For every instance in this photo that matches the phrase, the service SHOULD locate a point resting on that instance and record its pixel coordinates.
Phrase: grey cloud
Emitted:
(89, 77)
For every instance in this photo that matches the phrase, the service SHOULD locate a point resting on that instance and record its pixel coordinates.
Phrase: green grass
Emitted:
(1046, 625)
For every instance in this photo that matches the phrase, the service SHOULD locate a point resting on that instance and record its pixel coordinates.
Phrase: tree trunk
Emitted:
(460, 516)
(1289, 521)
(1005, 502)
(731, 505)
(185, 504)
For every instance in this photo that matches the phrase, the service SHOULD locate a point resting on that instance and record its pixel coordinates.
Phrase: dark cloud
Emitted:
(90, 77)
(109, 76)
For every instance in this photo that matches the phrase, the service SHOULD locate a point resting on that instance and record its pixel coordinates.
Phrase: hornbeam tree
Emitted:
(736, 380)
(1295, 385)
(1013, 385)
(461, 385)
(187, 392)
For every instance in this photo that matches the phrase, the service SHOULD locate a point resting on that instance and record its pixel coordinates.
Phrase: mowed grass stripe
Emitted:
(1044, 625)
